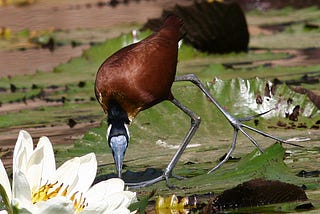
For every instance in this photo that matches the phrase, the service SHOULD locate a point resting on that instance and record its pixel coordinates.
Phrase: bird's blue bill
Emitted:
(118, 145)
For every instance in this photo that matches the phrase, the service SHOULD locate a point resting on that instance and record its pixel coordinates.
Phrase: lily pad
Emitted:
(259, 192)
(268, 165)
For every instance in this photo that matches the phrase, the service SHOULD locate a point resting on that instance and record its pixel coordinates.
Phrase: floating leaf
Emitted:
(258, 192)
(268, 165)
(252, 96)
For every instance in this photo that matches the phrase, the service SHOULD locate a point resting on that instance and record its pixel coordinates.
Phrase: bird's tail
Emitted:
(172, 21)
(172, 24)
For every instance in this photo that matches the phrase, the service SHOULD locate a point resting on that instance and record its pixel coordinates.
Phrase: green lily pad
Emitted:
(268, 165)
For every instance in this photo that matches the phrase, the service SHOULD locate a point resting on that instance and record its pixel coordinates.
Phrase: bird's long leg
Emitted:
(195, 122)
(235, 122)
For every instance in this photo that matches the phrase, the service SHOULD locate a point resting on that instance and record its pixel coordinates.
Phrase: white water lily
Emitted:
(38, 187)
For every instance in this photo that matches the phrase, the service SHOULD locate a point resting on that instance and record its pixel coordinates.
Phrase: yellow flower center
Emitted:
(51, 190)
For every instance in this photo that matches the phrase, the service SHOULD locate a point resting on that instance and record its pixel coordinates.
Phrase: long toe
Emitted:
(146, 183)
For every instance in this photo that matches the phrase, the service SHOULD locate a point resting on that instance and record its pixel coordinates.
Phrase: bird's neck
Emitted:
(116, 114)
(117, 120)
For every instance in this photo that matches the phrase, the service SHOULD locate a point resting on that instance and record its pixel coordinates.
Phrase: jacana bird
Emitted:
(138, 77)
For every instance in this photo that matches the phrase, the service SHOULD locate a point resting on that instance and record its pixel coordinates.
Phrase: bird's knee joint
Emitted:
(192, 78)
(196, 121)
(167, 173)
(188, 77)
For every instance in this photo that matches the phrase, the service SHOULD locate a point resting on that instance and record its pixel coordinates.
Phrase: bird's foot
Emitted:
(170, 186)
(145, 183)
(177, 177)
(165, 176)
(239, 126)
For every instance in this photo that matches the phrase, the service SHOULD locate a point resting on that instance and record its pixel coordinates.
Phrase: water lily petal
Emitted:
(108, 187)
(34, 168)
(67, 172)
(101, 204)
(108, 196)
(41, 164)
(22, 151)
(132, 196)
(118, 211)
(21, 191)
(54, 206)
(97, 194)
(19, 161)
(86, 173)
(49, 162)
(115, 201)
(4, 180)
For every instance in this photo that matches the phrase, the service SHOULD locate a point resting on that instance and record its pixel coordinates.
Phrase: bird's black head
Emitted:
(118, 134)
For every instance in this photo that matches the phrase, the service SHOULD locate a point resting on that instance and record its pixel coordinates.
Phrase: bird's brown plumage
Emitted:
(141, 75)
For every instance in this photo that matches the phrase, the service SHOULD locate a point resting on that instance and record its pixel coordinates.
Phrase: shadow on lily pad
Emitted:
(133, 177)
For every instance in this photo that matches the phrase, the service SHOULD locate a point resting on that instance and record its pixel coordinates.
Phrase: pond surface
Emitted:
(31, 60)
(66, 15)
(71, 17)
